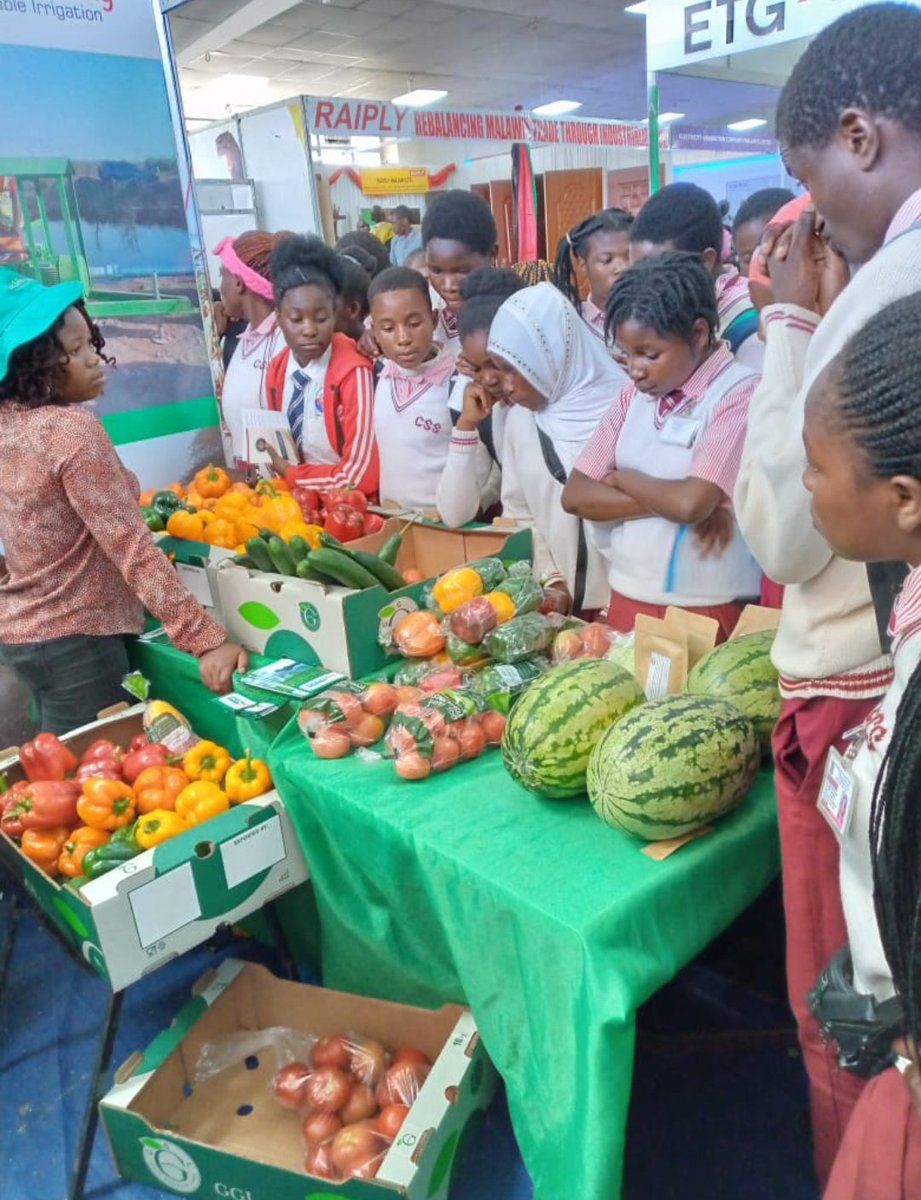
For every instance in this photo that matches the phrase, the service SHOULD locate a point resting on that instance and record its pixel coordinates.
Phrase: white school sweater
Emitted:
(471, 479)
(244, 379)
(828, 643)
(532, 497)
(412, 424)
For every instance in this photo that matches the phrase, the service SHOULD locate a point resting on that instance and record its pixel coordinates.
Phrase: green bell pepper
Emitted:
(152, 519)
(118, 849)
(165, 503)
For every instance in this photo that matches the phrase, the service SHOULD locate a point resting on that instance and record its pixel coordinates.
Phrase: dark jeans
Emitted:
(71, 678)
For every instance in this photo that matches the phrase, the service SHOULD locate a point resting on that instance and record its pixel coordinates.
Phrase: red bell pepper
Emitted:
(345, 523)
(139, 741)
(101, 748)
(10, 816)
(374, 523)
(309, 501)
(99, 768)
(154, 755)
(46, 757)
(47, 804)
(348, 495)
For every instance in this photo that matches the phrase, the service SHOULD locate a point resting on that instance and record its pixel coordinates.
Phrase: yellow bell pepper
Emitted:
(231, 505)
(221, 532)
(296, 528)
(280, 509)
(246, 530)
(312, 536)
(272, 487)
(248, 777)
(193, 500)
(503, 604)
(456, 587)
(200, 802)
(158, 826)
(186, 525)
(207, 761)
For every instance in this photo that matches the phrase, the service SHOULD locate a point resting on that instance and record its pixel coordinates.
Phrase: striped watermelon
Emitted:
(673, 764)
(554, 726)
(741, 672)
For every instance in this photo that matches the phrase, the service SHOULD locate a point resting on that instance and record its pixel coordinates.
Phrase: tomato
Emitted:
(408, 693)
(368, 730)
(331, 743)
(402, 1082)
(361, 1104)
(413, 575)
(390, 1121)
(413, 766)
(333, 1051)
(374, 523)
(493, 724)
(410, 1054)
(317, 1163)
(347, 703)
(328, 1089)
(440, 680)
(472, 740)
(289, 1084)
(350, 496)
(369, 1061)
(596, 639)
(345, 523)
(445, 754)
(354, 1147)
(380, 699)
(320, 1127)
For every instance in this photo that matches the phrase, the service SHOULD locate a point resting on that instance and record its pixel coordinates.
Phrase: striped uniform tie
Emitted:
(296, 407)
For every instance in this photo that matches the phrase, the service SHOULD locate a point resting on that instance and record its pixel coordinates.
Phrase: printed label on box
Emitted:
(165, 905)
(256, 850)
(195, 580)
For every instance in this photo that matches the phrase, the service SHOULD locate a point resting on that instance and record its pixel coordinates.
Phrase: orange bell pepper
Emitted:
(272, 487)
(241, 488)
(193, 500)
(186, 525)
(177, 488)
(145, 497)
(221, 532)
(106, 804)
(230, 504)
(81, 840)
(43, 847)
(207, 761)
(211, 481)
(200, 801)
(158, 787)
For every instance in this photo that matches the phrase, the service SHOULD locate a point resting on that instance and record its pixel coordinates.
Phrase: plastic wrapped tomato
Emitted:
(347, 716)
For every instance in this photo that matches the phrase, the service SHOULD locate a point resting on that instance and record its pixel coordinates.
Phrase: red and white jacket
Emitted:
(348, 410)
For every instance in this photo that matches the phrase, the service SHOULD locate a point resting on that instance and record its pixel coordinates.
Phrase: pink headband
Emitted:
(254, 281)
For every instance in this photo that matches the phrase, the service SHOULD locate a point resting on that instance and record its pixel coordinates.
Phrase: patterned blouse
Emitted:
(78, 557)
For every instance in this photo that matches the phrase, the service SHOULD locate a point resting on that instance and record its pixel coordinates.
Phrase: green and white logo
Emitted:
(170, 1165)
(309, 615)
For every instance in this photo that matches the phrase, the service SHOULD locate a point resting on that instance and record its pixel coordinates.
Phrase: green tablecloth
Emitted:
(552, 927)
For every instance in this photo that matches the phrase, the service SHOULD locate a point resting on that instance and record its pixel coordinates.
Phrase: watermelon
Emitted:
(741, 672)
(672, 765)
(553, 728)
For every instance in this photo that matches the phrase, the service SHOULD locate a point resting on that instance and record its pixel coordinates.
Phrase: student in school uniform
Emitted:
(558, 381)
(849, 119)
(412, 421)
(863, 474)
(406, 238)
(472, 478)
(755, 214)
(246, 291)
(683, 216)
(319, 380)
(458, 235)
(598, 249)
(664, 458)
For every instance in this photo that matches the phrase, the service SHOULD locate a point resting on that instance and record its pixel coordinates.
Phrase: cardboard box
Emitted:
(228, 1136)
(196, 565)
(165, 900)
(337, 628)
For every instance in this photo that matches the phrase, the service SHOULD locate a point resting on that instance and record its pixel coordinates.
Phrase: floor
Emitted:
(719, 1102)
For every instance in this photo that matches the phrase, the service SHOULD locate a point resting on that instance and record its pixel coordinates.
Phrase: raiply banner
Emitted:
(94, 186)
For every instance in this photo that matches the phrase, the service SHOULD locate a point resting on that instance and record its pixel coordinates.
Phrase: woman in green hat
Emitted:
(78, 561)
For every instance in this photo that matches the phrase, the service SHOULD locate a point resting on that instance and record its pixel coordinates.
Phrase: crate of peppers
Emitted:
(138, 839)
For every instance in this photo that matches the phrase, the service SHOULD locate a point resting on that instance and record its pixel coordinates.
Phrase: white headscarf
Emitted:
(539, 333)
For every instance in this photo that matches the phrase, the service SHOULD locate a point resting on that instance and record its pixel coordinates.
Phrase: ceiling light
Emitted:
(665, 117)
(749, 123)
(637, 10)
(556, 108)
(418, 97)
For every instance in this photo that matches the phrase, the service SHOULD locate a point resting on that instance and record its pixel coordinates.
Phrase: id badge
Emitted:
(838, 792)
(680, 431)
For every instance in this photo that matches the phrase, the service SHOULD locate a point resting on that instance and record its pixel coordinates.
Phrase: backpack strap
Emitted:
(742, 328)
(885, 579)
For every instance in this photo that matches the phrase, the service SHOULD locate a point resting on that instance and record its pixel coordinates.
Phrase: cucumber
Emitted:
(258, 551)
(278, 552)
(342, 568)
(306, 571)
(266, 534)
(330, 542)
(244, 560)
(298, 548)
(386, 575)
(390, 549)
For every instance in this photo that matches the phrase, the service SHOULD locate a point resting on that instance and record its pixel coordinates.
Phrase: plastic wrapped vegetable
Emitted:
(500, 684)
(582, 641)
(503, 604)
(473, 620)
(456, 587)
(465, 654)
(419, 635)
(415, 670)
(519, 638)
(437, 733)
(527, 594)
(347, 716)
(490, 570)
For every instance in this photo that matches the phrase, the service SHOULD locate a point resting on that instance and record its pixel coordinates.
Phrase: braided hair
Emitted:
(298, 261)
(534, 270)
(34, 372)
(877, 386)
(575, 244)
(668, 293)
(484, 291)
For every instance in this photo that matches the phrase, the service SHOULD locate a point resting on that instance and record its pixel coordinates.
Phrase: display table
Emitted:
(550, 925)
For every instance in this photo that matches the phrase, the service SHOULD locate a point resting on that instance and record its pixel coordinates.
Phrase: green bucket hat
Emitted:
(28, 309)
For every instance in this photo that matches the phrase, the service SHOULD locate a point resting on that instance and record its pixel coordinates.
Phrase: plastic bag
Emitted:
(500, 684)
(520, 569)
(286, 1046)
(491, 571)
(465, 654)
(456, 587)
(582, 641)
(526, 592)
(430, 674)
(438, 733)
(473, 620)
(519, 638)
(354, 1151)
(347, 716)
(419, 635)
